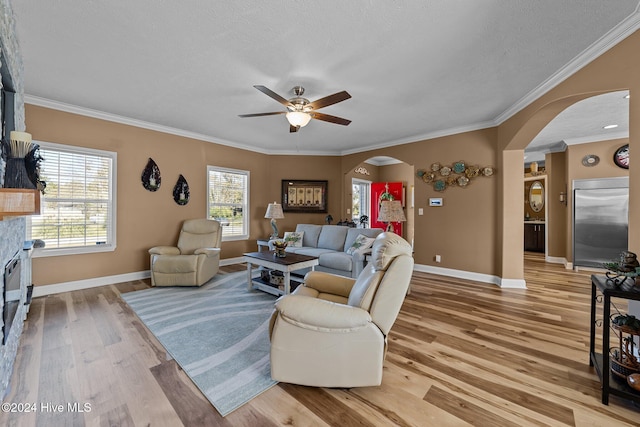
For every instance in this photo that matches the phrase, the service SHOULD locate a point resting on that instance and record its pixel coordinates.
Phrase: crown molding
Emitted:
(96, 114)
(600, 46)
(596, 138)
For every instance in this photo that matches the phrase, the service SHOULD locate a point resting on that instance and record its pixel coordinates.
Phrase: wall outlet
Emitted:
(438, 258)
(348, 211)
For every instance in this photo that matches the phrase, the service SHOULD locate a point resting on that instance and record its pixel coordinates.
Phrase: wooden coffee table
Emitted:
(292, 262)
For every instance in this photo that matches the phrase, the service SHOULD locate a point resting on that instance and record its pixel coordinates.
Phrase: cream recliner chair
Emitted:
(332, 330)
(194, 261)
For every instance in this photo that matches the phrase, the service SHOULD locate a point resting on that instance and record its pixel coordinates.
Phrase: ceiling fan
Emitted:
(300, 110)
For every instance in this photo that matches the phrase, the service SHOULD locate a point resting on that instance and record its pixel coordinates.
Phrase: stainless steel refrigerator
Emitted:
(600, 220)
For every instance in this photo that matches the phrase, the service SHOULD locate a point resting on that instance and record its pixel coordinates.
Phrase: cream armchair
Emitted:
(332, 330)
(194, 261)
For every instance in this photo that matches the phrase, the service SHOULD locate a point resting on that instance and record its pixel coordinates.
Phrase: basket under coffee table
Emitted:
(292, 262)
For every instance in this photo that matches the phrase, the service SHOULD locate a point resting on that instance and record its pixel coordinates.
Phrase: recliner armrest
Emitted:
(209, 252)
(329, 283)
(164, 250)
(321, 315)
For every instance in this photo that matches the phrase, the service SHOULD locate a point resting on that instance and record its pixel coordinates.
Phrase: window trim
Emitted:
(113, 185)
(246, 208)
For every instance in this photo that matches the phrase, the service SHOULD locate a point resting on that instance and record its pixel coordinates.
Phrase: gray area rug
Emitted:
(217, 333)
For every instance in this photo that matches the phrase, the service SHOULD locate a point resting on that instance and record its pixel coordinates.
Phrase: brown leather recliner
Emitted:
(332, 330)
(194, 261)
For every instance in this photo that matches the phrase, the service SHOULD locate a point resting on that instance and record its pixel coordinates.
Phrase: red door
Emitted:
(385, 191)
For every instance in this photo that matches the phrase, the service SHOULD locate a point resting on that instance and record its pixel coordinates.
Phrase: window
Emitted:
(228, 201)
(78, 205)
(361, 190)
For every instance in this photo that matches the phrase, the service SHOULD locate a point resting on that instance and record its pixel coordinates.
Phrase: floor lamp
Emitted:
(390, 212)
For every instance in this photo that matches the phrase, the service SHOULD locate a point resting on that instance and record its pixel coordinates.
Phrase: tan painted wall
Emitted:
(147, 219)
(479, 229)
(617, 69)
(463, 230)
(557, 212)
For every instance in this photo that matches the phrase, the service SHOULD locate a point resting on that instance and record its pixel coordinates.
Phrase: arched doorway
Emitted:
(380, 169)
(512, 159)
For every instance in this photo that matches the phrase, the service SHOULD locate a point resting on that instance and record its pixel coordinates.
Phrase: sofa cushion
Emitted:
(336, 260)
(361, 244)
(294, 238)
(175, 264)
(310, 251)
(332, 237)
(311, 233)
(353, 233)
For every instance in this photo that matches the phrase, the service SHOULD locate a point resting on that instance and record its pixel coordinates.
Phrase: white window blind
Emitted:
(228, 201)
(77, 208)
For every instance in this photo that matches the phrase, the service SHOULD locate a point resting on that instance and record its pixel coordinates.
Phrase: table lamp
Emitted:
(390, 212)
(274, 211)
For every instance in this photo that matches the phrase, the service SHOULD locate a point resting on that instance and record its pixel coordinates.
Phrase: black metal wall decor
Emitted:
(151, 176)
(181, 191)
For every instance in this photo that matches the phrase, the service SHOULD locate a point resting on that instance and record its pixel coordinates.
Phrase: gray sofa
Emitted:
(330, 243)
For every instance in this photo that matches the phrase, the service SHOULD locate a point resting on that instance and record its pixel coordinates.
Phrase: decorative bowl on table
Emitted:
(279, 247)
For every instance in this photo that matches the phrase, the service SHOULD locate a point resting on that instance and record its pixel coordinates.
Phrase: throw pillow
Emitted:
(294, 238)
(361, 244)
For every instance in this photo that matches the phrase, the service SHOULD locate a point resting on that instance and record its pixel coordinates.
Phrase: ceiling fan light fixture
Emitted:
(298, 118)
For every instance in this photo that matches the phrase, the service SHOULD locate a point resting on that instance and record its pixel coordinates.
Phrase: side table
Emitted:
(602, 290)
(263, 245)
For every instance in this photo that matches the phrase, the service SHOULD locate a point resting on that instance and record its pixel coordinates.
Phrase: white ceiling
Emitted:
(415, 70)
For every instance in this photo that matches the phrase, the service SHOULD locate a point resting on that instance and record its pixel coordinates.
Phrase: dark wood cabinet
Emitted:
(534, 237)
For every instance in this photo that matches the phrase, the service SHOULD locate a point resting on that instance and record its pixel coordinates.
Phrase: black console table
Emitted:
(603, 289)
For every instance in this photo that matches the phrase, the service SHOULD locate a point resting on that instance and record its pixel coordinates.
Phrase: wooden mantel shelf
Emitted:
(19, 201)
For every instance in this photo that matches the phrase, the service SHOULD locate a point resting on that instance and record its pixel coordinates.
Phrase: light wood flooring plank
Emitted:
(461, 353)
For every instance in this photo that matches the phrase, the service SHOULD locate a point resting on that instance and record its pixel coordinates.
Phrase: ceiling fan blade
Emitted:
(330, 119)
(273, 95)
(293, 128)
(329, 100)
(262, 114)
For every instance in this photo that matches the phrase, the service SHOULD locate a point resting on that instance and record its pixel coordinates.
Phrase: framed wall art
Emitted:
(304, 196)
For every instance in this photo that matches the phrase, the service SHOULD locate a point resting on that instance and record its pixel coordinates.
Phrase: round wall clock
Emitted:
(621, 157)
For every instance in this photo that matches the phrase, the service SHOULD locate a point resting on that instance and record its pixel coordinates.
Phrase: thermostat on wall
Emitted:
(435, 201)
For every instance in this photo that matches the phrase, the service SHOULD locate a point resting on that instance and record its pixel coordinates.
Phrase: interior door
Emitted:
(381, 191)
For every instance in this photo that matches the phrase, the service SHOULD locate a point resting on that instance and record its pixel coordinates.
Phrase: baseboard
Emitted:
(469, 275)
(231, 261)
(76, 285)
(559, 260)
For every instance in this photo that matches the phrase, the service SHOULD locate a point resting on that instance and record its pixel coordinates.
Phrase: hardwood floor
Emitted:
(461, 353)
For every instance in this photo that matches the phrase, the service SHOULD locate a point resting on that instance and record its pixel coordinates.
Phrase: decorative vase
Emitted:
(16, 175)
(279, 246)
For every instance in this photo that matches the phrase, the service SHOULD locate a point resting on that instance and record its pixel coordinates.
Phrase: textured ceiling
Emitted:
(414, 69)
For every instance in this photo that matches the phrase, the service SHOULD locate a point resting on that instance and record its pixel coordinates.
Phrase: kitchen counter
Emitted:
(531, 221)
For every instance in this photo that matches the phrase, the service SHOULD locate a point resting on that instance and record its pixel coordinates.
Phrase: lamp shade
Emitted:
(274, 211)
(298, 118)
(391, 211)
